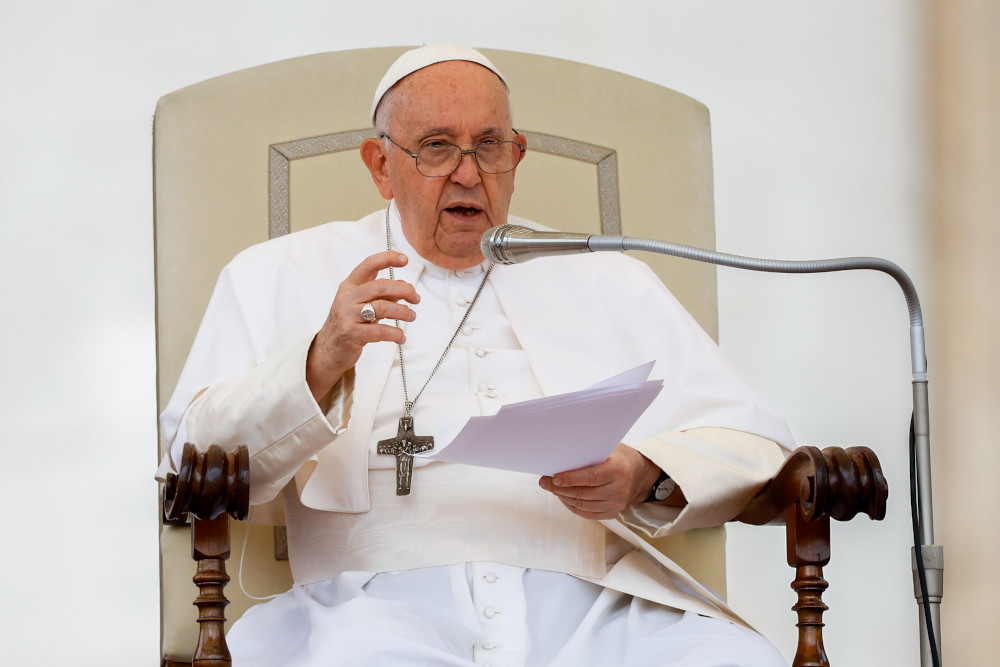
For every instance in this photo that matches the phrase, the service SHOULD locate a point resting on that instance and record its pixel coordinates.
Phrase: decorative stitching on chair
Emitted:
(278, 169)
(606, 160)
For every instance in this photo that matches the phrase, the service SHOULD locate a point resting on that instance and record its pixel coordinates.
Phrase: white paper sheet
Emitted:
(553, 434)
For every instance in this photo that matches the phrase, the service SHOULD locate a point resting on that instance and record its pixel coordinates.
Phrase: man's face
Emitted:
(444, 218)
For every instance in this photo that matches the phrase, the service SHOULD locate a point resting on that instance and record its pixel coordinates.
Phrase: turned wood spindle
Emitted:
(210, 549)
(210, 487)
(808, 551)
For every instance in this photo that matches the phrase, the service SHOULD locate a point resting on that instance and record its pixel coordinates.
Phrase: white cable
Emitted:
(239, 575)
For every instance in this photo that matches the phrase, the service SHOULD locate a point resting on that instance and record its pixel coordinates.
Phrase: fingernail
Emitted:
(556, 481)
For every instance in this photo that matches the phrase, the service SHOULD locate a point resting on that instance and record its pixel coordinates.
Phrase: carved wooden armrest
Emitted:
(812, 487)
(210, 487)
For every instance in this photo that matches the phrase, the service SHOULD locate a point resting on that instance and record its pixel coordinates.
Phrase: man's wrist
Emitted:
(661, 489)
(321, 378)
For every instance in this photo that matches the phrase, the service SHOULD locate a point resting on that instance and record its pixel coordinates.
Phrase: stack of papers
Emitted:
(545, 436)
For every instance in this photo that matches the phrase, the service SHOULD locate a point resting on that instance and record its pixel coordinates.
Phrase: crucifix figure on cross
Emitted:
(403, 447)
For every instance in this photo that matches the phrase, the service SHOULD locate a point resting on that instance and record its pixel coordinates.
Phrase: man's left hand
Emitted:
(602, 491)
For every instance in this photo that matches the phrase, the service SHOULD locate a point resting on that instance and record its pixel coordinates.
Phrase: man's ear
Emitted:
(374, 157)
(521, 139)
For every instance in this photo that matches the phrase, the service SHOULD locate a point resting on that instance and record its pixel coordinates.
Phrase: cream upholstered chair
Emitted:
(262, 152)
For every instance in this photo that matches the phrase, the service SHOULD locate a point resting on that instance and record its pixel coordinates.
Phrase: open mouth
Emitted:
(464, 211)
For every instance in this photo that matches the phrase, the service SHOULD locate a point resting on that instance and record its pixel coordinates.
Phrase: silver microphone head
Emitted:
(510, 244)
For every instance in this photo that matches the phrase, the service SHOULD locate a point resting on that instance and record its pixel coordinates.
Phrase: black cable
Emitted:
(918, 552)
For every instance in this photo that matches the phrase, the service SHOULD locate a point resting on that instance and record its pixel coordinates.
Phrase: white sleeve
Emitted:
(718, 469)
(232, 392)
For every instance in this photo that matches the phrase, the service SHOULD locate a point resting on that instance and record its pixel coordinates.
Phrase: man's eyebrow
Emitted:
(435, 130)
(451, 131)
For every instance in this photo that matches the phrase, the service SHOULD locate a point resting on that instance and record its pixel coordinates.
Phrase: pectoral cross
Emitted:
(403, 447)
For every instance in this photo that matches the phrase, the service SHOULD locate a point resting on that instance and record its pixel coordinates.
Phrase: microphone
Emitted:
(512, 244)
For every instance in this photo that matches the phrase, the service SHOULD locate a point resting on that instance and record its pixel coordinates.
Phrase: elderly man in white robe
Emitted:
(319, 348)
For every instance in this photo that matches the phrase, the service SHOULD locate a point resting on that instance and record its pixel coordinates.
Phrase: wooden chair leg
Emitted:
(808, 552)
(210, 548)
(811, 488)
(210, 487)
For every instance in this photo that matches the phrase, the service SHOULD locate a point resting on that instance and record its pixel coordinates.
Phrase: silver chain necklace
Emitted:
(406, 443)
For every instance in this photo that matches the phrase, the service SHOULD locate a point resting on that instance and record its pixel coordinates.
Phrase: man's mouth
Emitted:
(464, 211)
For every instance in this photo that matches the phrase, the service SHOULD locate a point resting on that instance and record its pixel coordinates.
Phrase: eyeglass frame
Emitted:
(463, 152)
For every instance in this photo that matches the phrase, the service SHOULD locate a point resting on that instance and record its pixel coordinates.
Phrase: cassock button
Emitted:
(490, 393)
(462, 301)
(490, 578)
(467, 330)
(490, 612)
(481, 352)
(489, 646)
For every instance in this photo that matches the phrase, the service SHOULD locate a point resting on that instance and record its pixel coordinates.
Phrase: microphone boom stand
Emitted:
(509, 244)
(927, 558)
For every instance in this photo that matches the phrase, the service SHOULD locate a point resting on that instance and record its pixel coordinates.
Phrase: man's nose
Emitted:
(467, 172)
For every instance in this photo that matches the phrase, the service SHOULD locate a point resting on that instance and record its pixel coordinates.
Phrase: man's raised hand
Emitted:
(338, 344)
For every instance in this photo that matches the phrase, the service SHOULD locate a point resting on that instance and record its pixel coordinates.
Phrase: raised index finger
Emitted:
(369, 267)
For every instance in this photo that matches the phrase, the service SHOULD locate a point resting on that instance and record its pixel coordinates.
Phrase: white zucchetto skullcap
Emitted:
(422, 57)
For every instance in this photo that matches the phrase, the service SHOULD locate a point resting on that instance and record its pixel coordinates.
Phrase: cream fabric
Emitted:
(280, 292)
(483, 614)
(251, 319)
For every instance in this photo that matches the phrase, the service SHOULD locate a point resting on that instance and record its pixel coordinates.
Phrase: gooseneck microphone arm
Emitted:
(510, 244)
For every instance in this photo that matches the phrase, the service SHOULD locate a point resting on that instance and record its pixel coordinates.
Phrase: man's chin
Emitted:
(460, 250)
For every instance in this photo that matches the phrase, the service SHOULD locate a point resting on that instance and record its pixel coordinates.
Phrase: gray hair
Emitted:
(386, 107)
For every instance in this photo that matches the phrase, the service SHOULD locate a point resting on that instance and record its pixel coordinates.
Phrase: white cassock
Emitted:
(472, 566)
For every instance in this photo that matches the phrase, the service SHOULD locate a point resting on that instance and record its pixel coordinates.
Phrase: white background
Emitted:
(820, 150)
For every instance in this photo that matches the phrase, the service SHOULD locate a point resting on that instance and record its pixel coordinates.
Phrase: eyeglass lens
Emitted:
(493, 157)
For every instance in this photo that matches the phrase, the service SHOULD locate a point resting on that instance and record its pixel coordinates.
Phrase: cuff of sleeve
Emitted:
(271, 409)
(339, 402)
(718, 469)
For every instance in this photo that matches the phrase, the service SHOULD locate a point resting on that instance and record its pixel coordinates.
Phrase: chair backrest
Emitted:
(257, 153)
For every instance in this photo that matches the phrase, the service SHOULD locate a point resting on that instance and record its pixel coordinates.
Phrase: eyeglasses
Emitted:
(437, 159)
